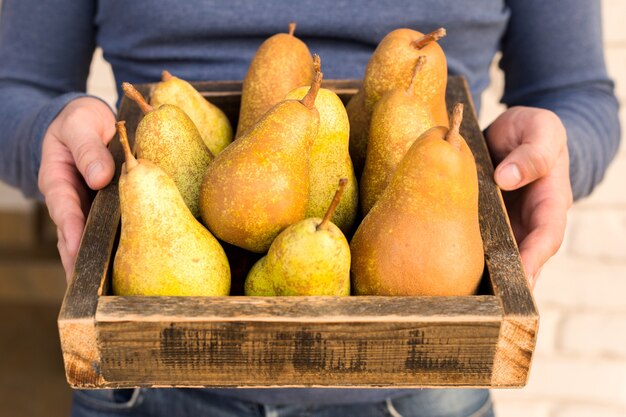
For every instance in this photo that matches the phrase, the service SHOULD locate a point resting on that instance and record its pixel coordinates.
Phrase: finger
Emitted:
(527, 163)
(547, 224)
(65, 258)
(65, 195)
(93, 159)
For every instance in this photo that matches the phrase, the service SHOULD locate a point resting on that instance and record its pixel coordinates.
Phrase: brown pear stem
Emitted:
(428, 38)
(292, 28)
(166, 75)
(309, 99)
(418, 67)
(131, 92)
(317, 64)
(333, 205)
(131, 162)
(453, 135)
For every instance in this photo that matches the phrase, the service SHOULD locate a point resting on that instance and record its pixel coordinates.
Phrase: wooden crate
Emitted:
(485, 340)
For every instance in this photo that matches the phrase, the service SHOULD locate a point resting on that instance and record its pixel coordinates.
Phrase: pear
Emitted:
(391, 66)
(163, 249)
(330, 160)
(398, 119)
(212, 123)
(168, 137)
(282, 63)
(422, 236)
(259, 185)
(311, 257)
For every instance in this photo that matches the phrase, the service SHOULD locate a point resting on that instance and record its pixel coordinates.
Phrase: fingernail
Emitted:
(509, 176)
(93, 171)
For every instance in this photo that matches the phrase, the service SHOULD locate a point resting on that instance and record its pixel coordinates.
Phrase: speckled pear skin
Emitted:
(259, 185)
(330, 160)
(399, 118)
(422, 237)
(282, 63)
(211, 122)
(163, 249)
(168, 137)
(391, 66)
(303, 261)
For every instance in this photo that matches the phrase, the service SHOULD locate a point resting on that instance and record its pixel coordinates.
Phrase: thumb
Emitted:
(523, 165)
(92, 158)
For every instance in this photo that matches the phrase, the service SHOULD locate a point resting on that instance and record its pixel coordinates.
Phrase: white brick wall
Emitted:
(579, 368)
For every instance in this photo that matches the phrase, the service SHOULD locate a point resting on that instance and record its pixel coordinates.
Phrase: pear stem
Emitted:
(131, 92)
(428, 38)
(309, 99)
(453, 135)
(131, 162)
(292, 28)
(333, 205)
(418, 67)
(166, 75)
(317, 64)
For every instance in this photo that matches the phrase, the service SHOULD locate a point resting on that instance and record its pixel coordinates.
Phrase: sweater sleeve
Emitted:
(45, 53)
(552, 57)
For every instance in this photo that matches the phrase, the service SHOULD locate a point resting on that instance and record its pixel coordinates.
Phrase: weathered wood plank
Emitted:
(520, 323)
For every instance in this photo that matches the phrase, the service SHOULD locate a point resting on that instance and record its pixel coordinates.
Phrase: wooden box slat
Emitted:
(479, 341)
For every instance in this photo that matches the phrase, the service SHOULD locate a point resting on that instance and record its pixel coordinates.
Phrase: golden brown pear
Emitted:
(167, 137)
(259, 185)
(422, 237)
(282, 63)
(391, 66)
(163, 249)
(399, 118)
(212, 123)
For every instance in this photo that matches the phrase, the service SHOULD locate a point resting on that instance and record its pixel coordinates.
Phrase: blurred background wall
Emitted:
(579, 368)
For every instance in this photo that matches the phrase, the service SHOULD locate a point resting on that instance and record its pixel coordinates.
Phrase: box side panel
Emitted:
(239, 353)
(298, 341)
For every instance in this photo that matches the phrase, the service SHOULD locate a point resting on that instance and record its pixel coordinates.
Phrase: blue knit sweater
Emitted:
(551, 54)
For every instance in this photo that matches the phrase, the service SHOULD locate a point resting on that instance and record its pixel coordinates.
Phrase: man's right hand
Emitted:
(74, 153)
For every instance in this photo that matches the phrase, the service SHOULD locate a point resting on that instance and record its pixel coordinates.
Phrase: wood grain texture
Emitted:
(483, 341)
(520, 324)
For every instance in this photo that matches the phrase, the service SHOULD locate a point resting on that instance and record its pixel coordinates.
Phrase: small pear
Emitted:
(399, 118)
(330, 160)
(259, 185)
(212, 123)
(167, 137)
(391, 66)
(163, 249)
(422, 237)
(311, 257)
(282, 63)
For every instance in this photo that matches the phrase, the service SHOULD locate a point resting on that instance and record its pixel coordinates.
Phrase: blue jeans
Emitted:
(143, 402)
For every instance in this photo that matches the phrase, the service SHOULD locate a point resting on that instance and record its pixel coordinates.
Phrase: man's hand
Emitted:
(74, 152)
(530, 147)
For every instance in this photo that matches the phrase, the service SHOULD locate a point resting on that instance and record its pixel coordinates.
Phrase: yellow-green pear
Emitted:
(422, 237)
(399, 118)
(282, 63)
(259, 185)
(167, 137)
(163, 249)
(311, 257)
(212, 123)
(330, 160)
